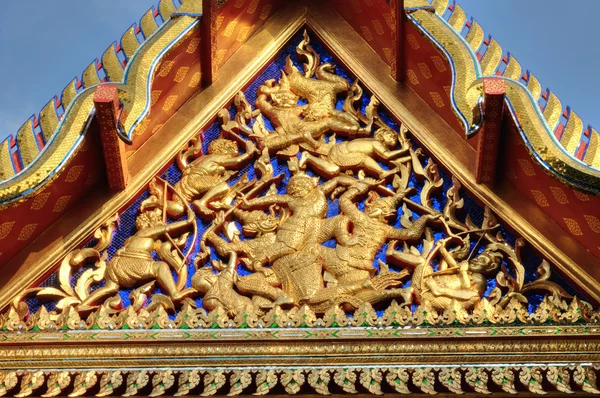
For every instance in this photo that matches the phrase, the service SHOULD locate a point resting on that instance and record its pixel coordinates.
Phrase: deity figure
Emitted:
(360, 153)
(321, 94)
(457, 279)
(254, 223)
(318, 116)
(294, 254)
(133, 265)
(351, 263)
(263, 284)
(204, 179)
(219, 291)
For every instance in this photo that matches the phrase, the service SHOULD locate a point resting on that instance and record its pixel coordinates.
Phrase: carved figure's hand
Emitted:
(242, 198)
(267, 272)
(219, 218)
(251, 148)
(364, 184)
(406, 191)
(356, 241)
(435, 217)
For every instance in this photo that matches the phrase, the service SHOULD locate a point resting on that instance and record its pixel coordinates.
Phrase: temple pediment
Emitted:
(306, 198)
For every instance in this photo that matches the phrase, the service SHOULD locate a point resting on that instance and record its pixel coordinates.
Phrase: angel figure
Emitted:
(204, 179)
(133, 265)
(360, 154)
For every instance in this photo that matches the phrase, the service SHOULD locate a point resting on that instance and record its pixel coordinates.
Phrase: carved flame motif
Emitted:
(279, 230)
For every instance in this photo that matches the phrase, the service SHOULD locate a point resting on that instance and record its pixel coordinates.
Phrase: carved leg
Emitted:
(167, 283)
(376, 296)
(346, 125)
(323, 166)
(174, 208)
(371, 165)
(258, 284)
(201, 205)
(99, 295)
(279, 142)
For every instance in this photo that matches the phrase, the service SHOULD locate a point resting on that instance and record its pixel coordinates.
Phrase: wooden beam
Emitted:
(106, 102)
(208, 44)
(489, 139)
(400, 61)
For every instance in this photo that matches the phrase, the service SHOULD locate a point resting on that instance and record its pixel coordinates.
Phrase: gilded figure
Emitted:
(133, 264)
(204, 179)
(351, 262)
(461, 277)
(263, 285)
(360, 153)
(219, 289)
(295, 252)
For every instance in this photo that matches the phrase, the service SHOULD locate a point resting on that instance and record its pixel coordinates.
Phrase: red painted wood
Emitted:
(107, 105)
(489, 140)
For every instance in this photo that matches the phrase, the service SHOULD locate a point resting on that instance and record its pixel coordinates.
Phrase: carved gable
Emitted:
(301, 233)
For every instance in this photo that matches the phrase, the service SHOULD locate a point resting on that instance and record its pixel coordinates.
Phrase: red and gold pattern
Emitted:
(576, 212)
(374, 21)
(426, 70)
(235, 22)
(21, 223)
(429, 75)
(176, 79)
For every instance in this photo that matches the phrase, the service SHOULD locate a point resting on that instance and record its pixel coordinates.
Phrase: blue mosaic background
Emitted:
(127, 218)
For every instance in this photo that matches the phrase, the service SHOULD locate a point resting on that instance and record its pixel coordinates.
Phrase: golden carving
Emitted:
(278, 269)
(375, 380)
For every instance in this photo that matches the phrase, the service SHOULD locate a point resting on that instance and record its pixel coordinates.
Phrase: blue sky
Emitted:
(44, 44)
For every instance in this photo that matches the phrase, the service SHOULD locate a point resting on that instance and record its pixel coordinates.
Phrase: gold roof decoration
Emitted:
(562, 156)
(319, 238)
(64, 134)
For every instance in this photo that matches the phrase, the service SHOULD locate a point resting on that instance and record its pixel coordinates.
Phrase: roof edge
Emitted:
(26, 166)
(555, 135)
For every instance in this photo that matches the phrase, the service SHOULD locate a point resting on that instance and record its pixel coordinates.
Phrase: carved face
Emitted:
(149, 219)
(379, 208)
(203, 279)
(300, 186)
(387, 137)
(260, 223)
(223, 147)
(486, 263)
(284, 99)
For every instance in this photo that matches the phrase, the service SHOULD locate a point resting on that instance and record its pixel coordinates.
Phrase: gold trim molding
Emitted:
(374, 380)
